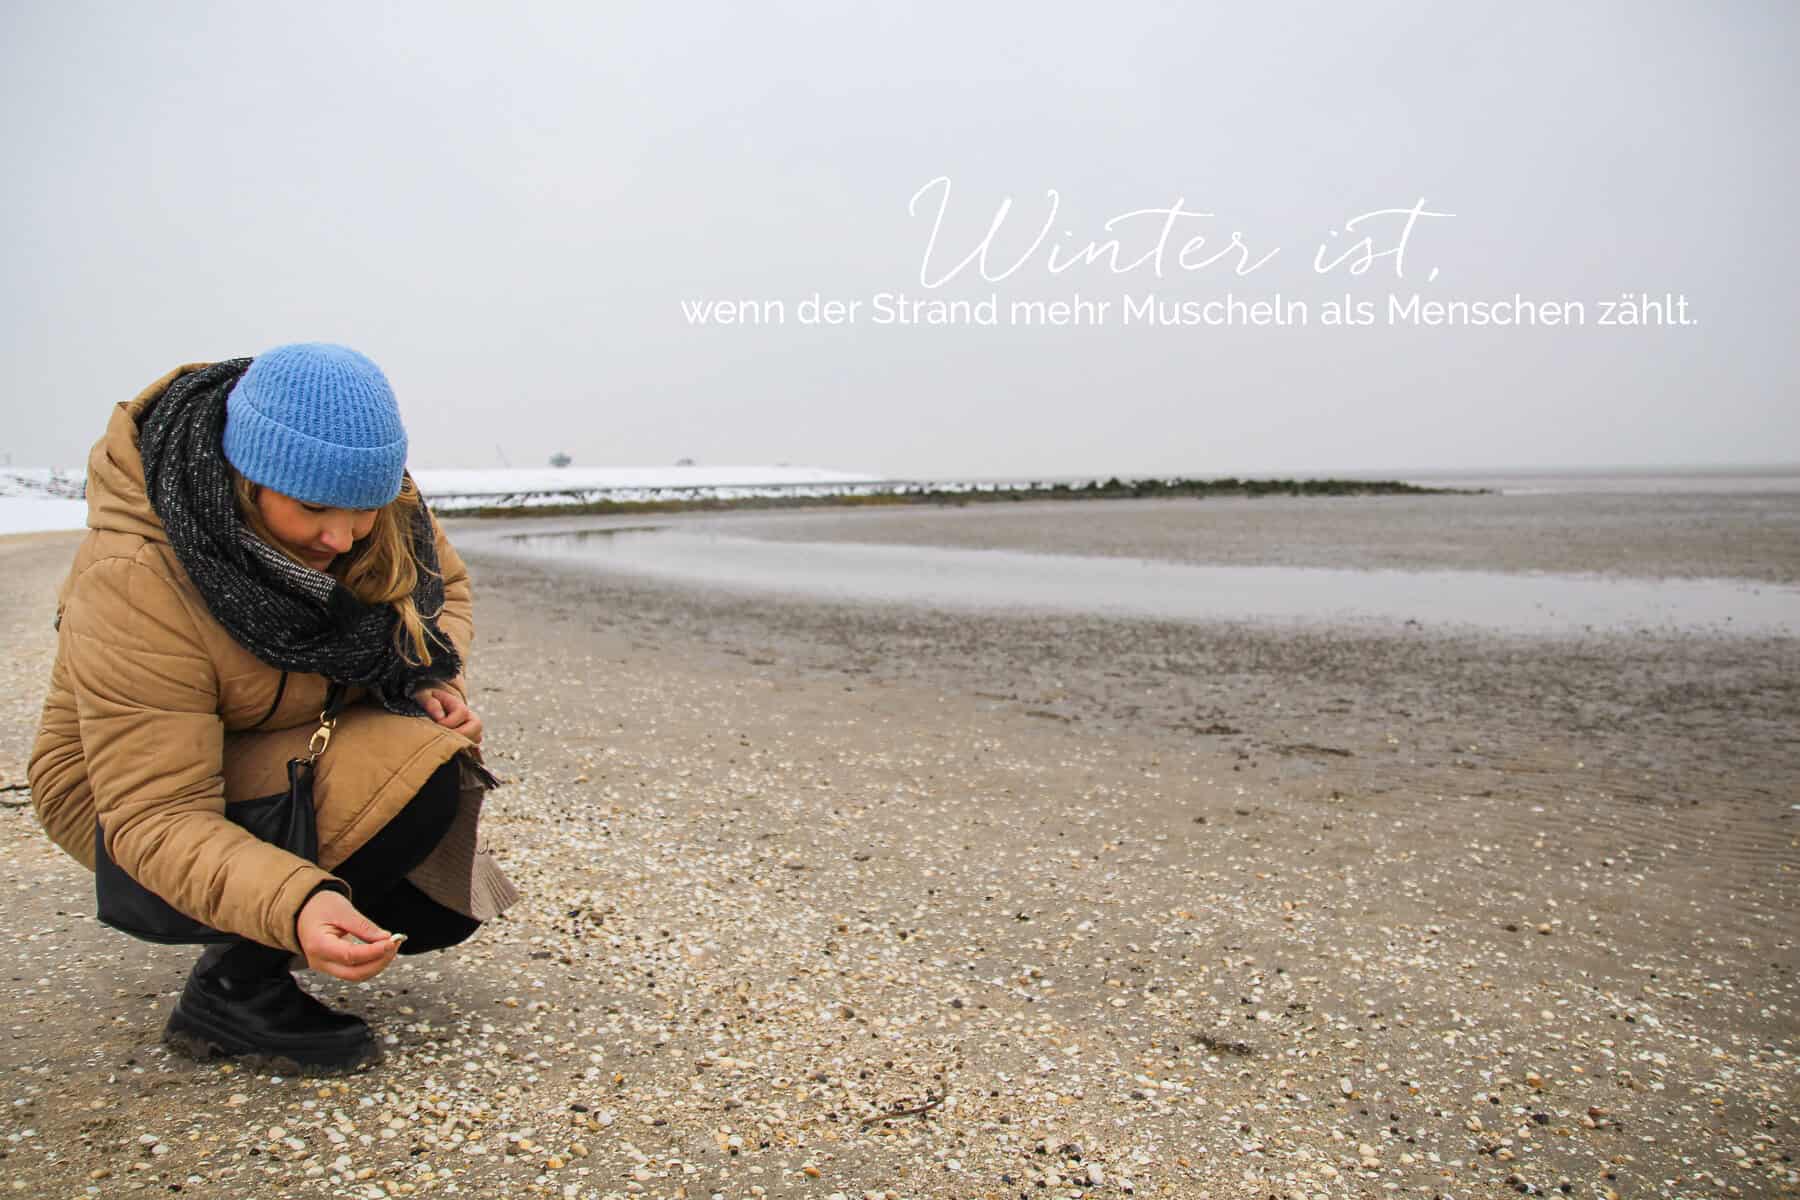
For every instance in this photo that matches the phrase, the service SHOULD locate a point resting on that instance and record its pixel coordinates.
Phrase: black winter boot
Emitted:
(241, 1002)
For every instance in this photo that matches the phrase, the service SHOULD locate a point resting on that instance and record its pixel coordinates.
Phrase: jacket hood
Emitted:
(116, 496)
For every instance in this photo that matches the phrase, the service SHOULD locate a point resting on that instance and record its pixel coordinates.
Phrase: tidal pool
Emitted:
(1520, 602)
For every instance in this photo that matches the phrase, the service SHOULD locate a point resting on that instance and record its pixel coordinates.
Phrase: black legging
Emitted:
(376, 873)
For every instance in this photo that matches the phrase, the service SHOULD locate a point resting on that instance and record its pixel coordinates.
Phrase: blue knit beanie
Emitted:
(319, 423)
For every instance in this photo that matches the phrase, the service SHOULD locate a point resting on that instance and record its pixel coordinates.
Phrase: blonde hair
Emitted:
(377, 569)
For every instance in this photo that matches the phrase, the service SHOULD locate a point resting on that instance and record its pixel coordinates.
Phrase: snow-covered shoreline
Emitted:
(41, 499)
(36, 499)
(451, 489)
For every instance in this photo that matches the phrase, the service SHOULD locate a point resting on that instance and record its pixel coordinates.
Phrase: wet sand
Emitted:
(1181, 909)
(1747, 535)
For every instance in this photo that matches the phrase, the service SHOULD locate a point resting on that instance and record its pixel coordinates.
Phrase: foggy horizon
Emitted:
(514, 214)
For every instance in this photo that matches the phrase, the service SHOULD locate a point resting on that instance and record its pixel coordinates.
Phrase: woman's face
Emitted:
(314, 534)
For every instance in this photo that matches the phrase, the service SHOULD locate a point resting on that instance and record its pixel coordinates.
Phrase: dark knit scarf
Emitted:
(285, 613)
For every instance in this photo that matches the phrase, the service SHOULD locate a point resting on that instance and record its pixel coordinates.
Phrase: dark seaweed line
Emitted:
(1111, 489)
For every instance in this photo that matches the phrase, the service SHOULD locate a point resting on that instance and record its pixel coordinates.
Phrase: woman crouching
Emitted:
(256, 555)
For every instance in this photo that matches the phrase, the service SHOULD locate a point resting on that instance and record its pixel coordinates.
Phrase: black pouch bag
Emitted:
(286, 819)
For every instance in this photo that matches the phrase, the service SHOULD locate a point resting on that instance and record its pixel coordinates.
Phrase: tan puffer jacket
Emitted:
(156, 718)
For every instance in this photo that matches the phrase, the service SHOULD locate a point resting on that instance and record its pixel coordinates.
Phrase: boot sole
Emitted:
(192, 1039)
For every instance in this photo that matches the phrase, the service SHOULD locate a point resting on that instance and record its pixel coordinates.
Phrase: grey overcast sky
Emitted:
(506, 207)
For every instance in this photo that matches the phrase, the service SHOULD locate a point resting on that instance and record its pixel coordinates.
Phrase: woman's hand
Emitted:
(451, 711)
(328, 926)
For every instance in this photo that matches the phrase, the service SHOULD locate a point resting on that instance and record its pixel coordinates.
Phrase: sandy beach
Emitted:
(836, 899)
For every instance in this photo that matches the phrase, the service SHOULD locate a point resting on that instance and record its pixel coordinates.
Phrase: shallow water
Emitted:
(1697, 481)
(996, 579)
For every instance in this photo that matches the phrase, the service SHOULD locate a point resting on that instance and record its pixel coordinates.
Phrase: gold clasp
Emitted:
(321, 737)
